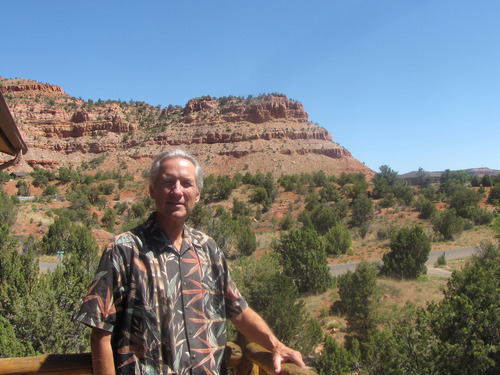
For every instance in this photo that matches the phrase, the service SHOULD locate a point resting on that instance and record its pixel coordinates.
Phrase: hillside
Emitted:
(269, 133)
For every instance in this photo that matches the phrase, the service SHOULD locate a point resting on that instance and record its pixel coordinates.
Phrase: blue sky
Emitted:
(406, 83)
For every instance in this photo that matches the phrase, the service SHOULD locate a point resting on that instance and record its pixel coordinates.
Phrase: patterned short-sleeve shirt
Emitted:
(167, 310)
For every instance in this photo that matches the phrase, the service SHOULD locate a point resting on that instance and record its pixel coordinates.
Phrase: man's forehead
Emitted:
(170, 166)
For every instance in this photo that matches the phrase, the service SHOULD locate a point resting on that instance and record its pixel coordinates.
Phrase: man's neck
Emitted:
(173, 230)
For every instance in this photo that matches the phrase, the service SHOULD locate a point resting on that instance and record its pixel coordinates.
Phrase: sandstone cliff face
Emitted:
(270, 133)
(31, 88)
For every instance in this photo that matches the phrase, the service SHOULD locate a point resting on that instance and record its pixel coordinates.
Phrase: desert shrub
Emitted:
(386, 232)
(384, 181)
(106, 188)
(403, 193)
(137, 210)
(42, 177)
(329, 193)
(337, 240)
(429, 192)
(66, 174)
(475, 181)
(304, 260)
(288, 182)
(441, 260)
(240, 208)
(464, 201)
(23, 189)
(487, 181)
(246, 240)
(287, 222)
(108, 219)
(482, 216)
(387, 201)
(319, 178)
(275, 297)
(8, 209)
(50, 190)
(4, 177)
(359, 296)
(410, 249)
(447, 224)
(362, 209)
(335, 359)
(496, 225)
(494, 195)
(425, 206)
(323, 217)
(120, 207)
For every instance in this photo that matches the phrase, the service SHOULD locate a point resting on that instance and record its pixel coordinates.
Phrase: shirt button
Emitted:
(190, 332)
(193, 356)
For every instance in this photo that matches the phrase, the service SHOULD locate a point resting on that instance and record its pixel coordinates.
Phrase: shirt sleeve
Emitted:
(235, 303)
(104, 298)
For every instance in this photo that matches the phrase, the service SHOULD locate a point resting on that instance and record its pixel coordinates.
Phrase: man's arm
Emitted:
(102, 353)
(255, 329)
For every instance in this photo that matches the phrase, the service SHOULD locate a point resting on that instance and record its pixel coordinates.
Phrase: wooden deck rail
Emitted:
(253, 360)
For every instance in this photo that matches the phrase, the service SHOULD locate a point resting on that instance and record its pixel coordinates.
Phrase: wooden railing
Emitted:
(251, 360)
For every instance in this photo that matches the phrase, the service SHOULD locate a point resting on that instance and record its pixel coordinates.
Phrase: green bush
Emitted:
(426, 207)
(50, 190)
(359, 297)
(246, 240)
(337, 240)
(8, 209)
(275, 297)
(42, 177)
(448, 224)
(304, 260)
(410, 249)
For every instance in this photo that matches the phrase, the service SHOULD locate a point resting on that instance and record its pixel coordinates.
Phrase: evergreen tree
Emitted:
(384, 181)
(8, 209)
(274, 296)
(337, 240)
(358, 300)
(304, 260)
(448, 224)
(335, 359)
(410, 249)
(362, 210)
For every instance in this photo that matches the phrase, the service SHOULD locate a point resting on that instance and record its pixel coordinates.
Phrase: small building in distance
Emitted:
(415, 177)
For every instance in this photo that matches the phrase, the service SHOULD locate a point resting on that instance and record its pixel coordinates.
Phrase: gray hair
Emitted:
(174, 154)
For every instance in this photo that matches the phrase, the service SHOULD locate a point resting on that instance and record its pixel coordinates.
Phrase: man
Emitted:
(163, 291)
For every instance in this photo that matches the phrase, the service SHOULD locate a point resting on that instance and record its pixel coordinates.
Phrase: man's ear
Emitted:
(198, 195)
(151, 192)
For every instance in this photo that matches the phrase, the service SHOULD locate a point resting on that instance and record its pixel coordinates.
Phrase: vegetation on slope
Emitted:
(280, 236)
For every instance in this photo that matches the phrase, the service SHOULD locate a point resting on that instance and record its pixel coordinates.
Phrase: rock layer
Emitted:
(269, 133)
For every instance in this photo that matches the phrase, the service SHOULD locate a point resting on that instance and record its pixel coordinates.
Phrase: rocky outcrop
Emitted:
(264, 109)
(269, 133)
(36, 87)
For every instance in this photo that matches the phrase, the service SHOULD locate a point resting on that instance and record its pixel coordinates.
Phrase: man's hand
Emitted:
(255, 329)
(282, 354)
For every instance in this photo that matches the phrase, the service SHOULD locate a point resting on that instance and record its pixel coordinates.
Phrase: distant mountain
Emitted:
(268, 133)
(412, 178)
(480, 172)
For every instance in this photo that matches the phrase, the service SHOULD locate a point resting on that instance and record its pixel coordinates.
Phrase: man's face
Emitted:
(175, 192)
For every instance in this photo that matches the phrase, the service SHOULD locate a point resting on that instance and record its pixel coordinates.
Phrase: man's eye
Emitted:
(186, 184)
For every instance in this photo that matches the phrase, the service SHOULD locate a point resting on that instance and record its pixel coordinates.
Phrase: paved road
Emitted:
(339, 269)
(47, 266)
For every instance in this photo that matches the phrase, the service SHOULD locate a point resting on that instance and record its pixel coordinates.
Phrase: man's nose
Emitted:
(177, 188)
